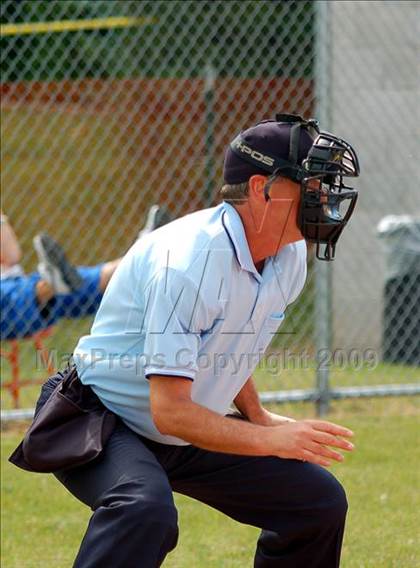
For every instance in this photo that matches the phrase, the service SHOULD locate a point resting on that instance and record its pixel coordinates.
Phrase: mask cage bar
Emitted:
(331, 155)
(344, 192)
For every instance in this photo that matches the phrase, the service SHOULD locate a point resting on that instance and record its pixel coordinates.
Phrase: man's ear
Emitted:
(256, 186)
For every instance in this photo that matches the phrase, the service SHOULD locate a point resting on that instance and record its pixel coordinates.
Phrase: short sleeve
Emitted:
(175, 316)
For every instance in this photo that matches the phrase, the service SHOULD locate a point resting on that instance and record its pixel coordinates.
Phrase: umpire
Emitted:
(186, 317)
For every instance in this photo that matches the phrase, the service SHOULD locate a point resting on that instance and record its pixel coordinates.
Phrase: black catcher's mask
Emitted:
(327, 203)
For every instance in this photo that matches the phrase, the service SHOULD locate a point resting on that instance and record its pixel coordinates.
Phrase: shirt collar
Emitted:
(232, 223)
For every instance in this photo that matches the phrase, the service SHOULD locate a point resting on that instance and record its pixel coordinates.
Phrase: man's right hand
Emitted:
(309, 440)
(175, 414)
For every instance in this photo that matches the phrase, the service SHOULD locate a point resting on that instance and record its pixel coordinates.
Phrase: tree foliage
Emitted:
(239, 38)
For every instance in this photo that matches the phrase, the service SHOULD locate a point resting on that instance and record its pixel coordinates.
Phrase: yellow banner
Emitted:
(73, 25)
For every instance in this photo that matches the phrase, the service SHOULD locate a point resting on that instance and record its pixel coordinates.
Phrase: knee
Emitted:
(155, 509)
(161, 520)
(159, 514)
(334, 506)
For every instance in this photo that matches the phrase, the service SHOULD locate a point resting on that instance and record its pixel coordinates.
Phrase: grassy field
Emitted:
(42, 525)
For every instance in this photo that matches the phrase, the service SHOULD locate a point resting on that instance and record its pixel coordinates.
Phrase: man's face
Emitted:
(270, 224)
(282, 211)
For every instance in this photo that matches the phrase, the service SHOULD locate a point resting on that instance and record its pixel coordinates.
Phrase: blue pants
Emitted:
(300, 507)
(21, 315)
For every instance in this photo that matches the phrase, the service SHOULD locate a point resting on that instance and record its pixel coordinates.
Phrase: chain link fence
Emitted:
(111, 107)
(368, 89)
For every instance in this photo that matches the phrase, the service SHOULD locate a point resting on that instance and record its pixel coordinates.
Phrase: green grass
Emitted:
(42, 524)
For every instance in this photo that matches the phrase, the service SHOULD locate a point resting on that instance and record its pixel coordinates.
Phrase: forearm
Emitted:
(211, 431)
(248, 403)
(175, 414)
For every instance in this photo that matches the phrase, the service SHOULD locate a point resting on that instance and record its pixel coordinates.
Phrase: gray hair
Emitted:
(234, 193)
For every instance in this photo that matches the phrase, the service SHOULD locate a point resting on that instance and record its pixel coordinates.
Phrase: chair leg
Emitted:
(44, 354)
(14, 385)
(13, 357)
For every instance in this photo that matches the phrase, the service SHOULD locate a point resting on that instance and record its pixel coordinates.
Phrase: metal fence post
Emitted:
(210, 77)
(323, 304)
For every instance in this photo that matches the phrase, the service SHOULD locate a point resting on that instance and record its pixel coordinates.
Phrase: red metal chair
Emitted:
(12, 355)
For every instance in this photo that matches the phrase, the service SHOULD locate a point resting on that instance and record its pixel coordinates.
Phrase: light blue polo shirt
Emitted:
(187, 301)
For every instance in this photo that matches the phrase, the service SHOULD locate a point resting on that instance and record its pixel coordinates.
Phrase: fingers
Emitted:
(319, 450)
(313, 441)
(309, 456)
(330, 440)
(330, 427)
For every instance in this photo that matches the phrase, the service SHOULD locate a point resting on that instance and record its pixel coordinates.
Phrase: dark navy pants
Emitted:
(300, 507)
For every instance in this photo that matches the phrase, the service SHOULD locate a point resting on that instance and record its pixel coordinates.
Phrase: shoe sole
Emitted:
(49, 251)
